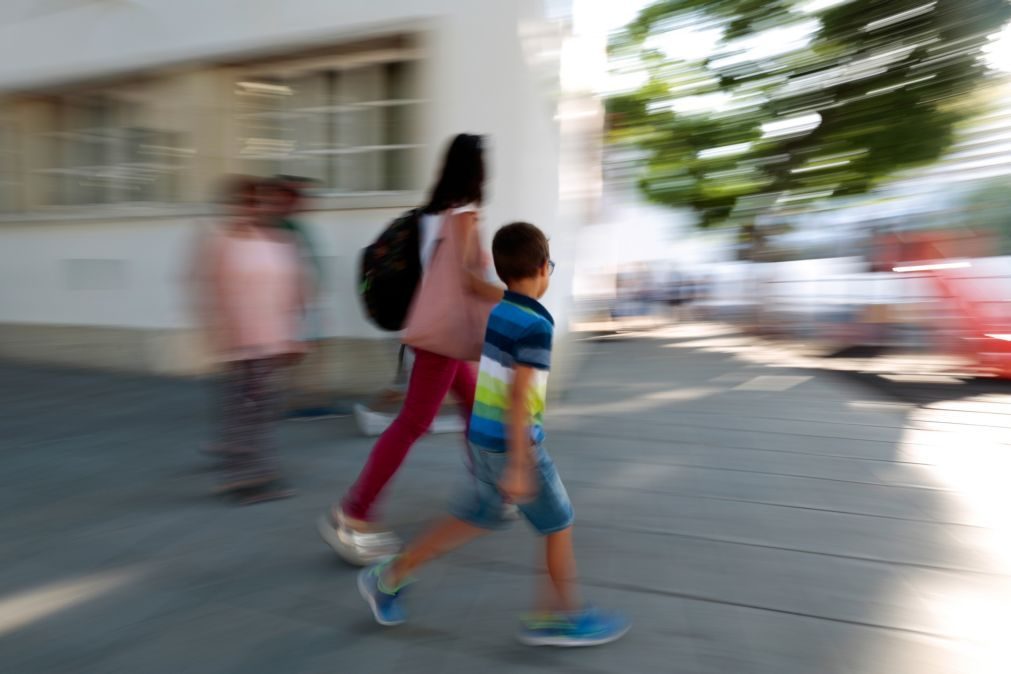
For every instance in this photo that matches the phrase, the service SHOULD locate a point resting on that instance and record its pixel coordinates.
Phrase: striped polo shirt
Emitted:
(519, 333)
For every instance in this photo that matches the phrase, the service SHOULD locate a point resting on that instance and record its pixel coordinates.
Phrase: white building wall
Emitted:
(68, 42)
(125, 273)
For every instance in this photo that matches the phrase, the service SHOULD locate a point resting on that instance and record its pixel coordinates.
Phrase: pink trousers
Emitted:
(432, 377)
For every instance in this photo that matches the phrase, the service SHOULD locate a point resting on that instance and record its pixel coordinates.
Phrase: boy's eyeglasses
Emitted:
(551, 267)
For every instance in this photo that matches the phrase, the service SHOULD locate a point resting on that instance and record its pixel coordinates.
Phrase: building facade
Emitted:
(118, 118)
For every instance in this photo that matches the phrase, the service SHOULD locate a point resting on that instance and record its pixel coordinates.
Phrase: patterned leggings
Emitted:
(248, 413)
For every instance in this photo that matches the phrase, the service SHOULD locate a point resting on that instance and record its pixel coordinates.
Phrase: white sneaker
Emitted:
(357, 547)
(448, 424)
(370, 423)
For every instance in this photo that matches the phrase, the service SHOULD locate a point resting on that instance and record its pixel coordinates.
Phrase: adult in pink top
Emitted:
(252, 302)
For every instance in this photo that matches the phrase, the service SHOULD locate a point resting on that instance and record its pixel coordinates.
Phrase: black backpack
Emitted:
(390, 270)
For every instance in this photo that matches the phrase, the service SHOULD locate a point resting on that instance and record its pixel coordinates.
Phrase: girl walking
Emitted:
(445, 328)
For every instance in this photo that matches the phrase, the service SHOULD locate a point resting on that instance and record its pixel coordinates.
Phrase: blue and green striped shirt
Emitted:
(519, 333)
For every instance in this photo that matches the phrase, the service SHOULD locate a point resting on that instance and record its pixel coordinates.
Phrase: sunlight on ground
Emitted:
(880, 405)
(768, 383)
(961, 448)
(655, 328)
(756, 350)
(974, 462)
(24, 608)
(641, 403)
(922, 379)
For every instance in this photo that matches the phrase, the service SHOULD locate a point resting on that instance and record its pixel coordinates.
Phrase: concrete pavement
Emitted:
(749, 514)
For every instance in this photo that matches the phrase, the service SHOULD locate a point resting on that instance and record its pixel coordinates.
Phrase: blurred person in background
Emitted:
(632, 292)
(449, 225)
(288, 196)
(251, 298)
(674, 293)
(691, 292)
(283, 199)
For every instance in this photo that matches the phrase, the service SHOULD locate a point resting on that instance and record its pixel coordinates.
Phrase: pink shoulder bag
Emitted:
(445, 317)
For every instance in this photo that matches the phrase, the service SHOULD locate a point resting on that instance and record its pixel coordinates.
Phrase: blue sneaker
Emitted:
(385, 605)
(587, 628)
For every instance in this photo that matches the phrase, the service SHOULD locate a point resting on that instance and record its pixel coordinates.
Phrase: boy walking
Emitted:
(508, 460)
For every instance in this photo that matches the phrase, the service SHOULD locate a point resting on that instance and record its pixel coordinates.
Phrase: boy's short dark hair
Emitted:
(519, 250)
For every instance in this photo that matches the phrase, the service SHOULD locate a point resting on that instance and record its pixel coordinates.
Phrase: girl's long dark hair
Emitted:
(461, 180)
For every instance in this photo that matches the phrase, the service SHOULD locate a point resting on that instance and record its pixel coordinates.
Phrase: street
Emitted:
(749, 516)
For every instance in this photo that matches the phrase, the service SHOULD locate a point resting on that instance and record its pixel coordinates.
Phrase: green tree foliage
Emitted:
(877, 86)
(988, 208)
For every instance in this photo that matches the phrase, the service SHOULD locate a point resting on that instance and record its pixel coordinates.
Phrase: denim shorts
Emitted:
(478, 500)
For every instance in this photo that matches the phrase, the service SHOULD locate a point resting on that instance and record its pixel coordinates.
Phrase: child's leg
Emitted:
(445, 536)
(561, 565)
(569, 624)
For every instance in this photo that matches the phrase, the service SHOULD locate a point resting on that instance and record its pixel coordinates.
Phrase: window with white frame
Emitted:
(102, 149)
(349, 121)
(346, 116)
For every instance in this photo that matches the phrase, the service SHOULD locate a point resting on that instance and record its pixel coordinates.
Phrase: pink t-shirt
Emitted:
(258, 293)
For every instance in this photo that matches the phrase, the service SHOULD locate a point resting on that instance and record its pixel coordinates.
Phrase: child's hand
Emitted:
(518, 483)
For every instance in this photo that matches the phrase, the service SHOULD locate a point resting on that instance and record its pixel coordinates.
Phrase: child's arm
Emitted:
(518, 480)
